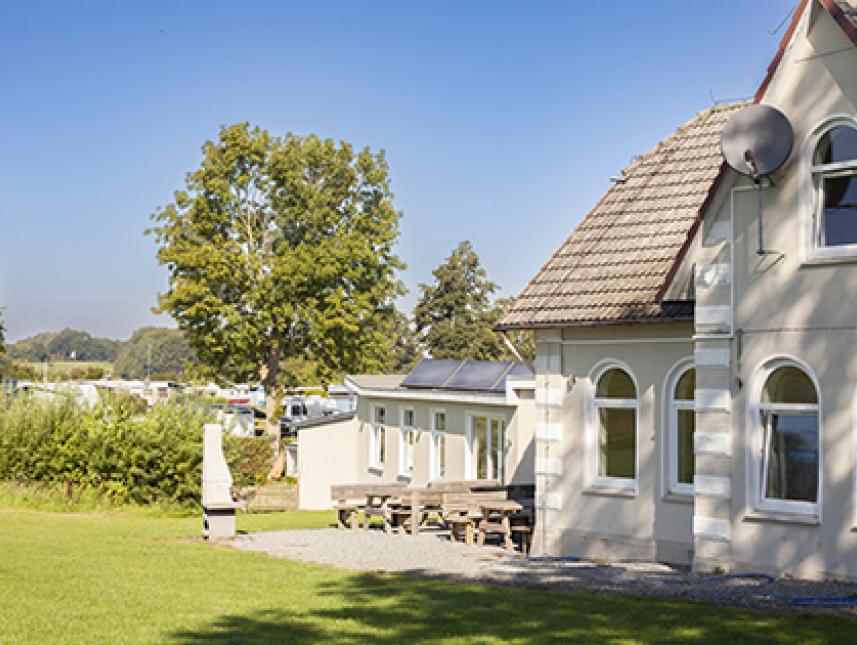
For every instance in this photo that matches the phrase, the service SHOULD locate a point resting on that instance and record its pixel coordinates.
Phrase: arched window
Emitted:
(681, 427)
(834, 188)
(788, 423)
(616, 415)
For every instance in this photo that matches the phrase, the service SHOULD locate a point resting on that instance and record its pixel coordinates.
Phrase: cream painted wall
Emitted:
(325, 457)
(787, 306)
(340, 452)
(599, 524)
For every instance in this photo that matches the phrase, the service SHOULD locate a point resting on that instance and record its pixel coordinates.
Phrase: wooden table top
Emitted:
(500, 505)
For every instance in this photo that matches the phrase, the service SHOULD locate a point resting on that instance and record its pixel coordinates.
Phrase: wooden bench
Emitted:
(351, 499)
(461, 485)
(461, 511)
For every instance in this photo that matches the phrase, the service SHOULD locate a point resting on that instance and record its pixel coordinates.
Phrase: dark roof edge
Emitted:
(589, 324)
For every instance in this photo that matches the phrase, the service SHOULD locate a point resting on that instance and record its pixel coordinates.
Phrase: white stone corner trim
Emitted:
(711, 528)
(711, 486)
(549, 431)
(547, 500)
(706, 400)
(548, 466)
(712, 357)
(711, 443)
(716, 316)
(549, 397)
(720, 231)
(709, 275)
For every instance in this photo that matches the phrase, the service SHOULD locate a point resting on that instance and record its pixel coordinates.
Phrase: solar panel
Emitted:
(478, 375)
(449, 374)
(431, 373)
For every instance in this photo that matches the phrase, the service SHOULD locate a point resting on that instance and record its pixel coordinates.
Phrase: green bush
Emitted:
(115, 450)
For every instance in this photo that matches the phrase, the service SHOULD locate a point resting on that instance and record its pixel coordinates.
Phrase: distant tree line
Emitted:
(159, 352)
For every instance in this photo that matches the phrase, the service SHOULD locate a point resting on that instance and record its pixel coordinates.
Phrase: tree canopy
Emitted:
(281, 248)
(154, 351)
(454, 315)
(62, 345)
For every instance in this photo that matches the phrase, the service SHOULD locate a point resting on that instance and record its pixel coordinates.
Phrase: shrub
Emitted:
(115, 450)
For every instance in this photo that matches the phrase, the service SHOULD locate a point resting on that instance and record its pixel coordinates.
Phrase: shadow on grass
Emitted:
(395, 609)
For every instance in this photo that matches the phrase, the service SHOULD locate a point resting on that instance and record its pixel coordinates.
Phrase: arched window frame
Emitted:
(757, 439)
(599, 483)
(671, 406)
(812, 197)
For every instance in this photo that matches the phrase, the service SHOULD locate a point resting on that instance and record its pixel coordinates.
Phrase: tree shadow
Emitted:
(395, 609)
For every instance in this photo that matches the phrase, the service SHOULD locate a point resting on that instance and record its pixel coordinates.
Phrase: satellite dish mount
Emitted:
(756, 142)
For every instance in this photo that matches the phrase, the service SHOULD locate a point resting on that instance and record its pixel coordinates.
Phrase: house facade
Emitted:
(415, 434)
(696, 388)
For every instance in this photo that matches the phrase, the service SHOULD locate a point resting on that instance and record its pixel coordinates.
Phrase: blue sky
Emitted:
(502, 121)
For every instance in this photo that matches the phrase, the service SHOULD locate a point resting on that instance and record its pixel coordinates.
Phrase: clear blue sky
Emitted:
(501, 121)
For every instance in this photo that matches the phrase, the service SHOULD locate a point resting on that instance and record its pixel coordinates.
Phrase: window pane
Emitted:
(382, 434)
(686, 425)
(380, 414)
(616, 384)
(840, 210)
(440, 421)
(480, 438)
(793, 458)
(618, 441)
(838, 144)
(684, 389)
(408, 418)
(789, 385)
(441, 450)
(496, 449)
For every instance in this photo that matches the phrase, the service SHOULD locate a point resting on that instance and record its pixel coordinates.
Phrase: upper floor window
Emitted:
(788, 418)
(616, 415)
(834, 189)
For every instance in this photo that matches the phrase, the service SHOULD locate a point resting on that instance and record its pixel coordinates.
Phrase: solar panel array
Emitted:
(485, 376)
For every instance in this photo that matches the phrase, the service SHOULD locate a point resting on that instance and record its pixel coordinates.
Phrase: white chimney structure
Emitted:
(218, 506)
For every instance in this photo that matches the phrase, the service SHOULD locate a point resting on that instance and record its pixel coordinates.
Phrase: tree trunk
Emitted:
(273, 398)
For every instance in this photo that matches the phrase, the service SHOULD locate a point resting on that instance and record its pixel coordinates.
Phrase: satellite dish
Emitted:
(757, 141)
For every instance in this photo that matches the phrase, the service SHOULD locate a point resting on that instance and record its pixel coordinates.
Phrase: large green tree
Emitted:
(455, 315)
(281, 248)
(154, 351)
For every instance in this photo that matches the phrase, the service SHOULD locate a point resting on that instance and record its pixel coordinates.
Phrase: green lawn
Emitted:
(129, 577)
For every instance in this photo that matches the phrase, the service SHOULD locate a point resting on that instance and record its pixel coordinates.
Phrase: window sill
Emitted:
(611, 490)
(782, 518)
(378, 470)
(404, 477)
(677, 497)
(824, 260)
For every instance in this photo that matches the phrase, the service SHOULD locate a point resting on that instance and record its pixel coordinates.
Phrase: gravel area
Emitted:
(431, 554)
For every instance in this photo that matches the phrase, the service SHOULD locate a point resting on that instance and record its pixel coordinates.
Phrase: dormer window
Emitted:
(834, 189)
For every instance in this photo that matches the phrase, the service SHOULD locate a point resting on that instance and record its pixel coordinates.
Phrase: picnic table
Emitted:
(496, 518)
(413, 506)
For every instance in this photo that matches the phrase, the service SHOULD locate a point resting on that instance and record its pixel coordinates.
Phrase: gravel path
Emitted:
(431, 554)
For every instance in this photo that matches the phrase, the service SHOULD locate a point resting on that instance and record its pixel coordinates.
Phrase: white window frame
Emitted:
(471, 456)
(592, 423)
(758, 445)
(671, 407)
(812, 196)
(377, 431)
(437, 469)
(406, 449)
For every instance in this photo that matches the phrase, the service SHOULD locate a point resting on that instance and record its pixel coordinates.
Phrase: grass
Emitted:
(131, 577)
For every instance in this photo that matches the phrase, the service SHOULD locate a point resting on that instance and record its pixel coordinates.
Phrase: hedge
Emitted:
(114, 449)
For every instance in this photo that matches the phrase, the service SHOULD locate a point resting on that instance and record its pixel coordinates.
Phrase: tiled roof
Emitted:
(613, 267)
